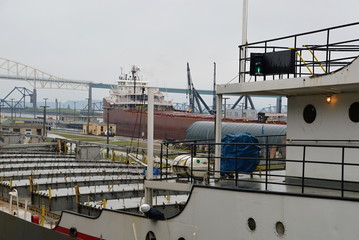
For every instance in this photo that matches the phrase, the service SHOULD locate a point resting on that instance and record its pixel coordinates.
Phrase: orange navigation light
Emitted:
(328, 99)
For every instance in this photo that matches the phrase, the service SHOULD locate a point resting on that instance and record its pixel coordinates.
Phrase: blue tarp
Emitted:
(240, 158)
(156, 171)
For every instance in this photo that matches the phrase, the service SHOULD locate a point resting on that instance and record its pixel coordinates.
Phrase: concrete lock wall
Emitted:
(88, 152)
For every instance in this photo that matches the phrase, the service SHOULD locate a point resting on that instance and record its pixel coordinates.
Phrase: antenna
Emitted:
(214, 87)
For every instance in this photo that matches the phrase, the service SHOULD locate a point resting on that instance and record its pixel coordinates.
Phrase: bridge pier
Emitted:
(34, 101)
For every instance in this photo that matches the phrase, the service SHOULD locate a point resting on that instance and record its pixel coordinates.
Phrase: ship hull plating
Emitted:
(166, 124)
(217, 213)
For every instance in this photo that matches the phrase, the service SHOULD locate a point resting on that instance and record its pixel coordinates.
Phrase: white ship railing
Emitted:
(271, 174)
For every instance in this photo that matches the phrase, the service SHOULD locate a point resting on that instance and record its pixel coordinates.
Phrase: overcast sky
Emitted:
(92, 40)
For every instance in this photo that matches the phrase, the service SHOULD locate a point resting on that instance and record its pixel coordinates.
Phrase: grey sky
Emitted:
(92, 40)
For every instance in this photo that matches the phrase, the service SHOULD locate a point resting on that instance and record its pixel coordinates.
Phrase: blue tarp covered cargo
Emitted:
(240, 158)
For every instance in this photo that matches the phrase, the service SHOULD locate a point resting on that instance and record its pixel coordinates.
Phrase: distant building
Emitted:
(248, 114)
(21, 127)
(81, 118)
(99, 129)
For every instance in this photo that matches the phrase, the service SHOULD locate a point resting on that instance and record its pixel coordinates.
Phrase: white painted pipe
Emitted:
(218, 137)
(10, 204)
(14, 194)
(150, 135)
(25, 212)
(244, 38)
(245, 22)
(150, 123)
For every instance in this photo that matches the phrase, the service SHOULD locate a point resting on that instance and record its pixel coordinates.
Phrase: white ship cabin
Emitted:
(321, 85)
(131, 92)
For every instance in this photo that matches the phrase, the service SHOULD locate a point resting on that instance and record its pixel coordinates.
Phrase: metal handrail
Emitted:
(302, 180)
(302, 34)
(330, 64)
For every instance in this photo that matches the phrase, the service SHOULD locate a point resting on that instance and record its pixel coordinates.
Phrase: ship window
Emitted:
(73, 232)
(251, 224)
(354, 112)
(150, 236)
(279, 227)
(309, 113)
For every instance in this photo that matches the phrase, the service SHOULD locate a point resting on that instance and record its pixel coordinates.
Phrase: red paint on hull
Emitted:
(166, 124)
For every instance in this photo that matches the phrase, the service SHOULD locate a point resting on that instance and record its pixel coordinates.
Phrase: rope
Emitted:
(233, 78)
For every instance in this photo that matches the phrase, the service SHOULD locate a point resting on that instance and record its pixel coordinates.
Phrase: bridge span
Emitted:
(42, 80)
(39, 79)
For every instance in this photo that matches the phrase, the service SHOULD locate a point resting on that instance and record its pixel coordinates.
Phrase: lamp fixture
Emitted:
(328, 99)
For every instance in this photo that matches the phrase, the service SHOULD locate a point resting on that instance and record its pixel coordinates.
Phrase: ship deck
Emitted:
(276, 184)
(134, 203)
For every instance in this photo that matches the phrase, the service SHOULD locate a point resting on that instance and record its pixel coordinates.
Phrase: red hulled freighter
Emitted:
(127, 106)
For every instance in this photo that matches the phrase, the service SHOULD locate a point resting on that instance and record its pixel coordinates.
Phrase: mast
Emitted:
(133, 71)
(245, 22)
(244, 39)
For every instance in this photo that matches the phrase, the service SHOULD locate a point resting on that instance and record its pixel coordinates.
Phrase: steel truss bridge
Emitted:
(42, 80)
